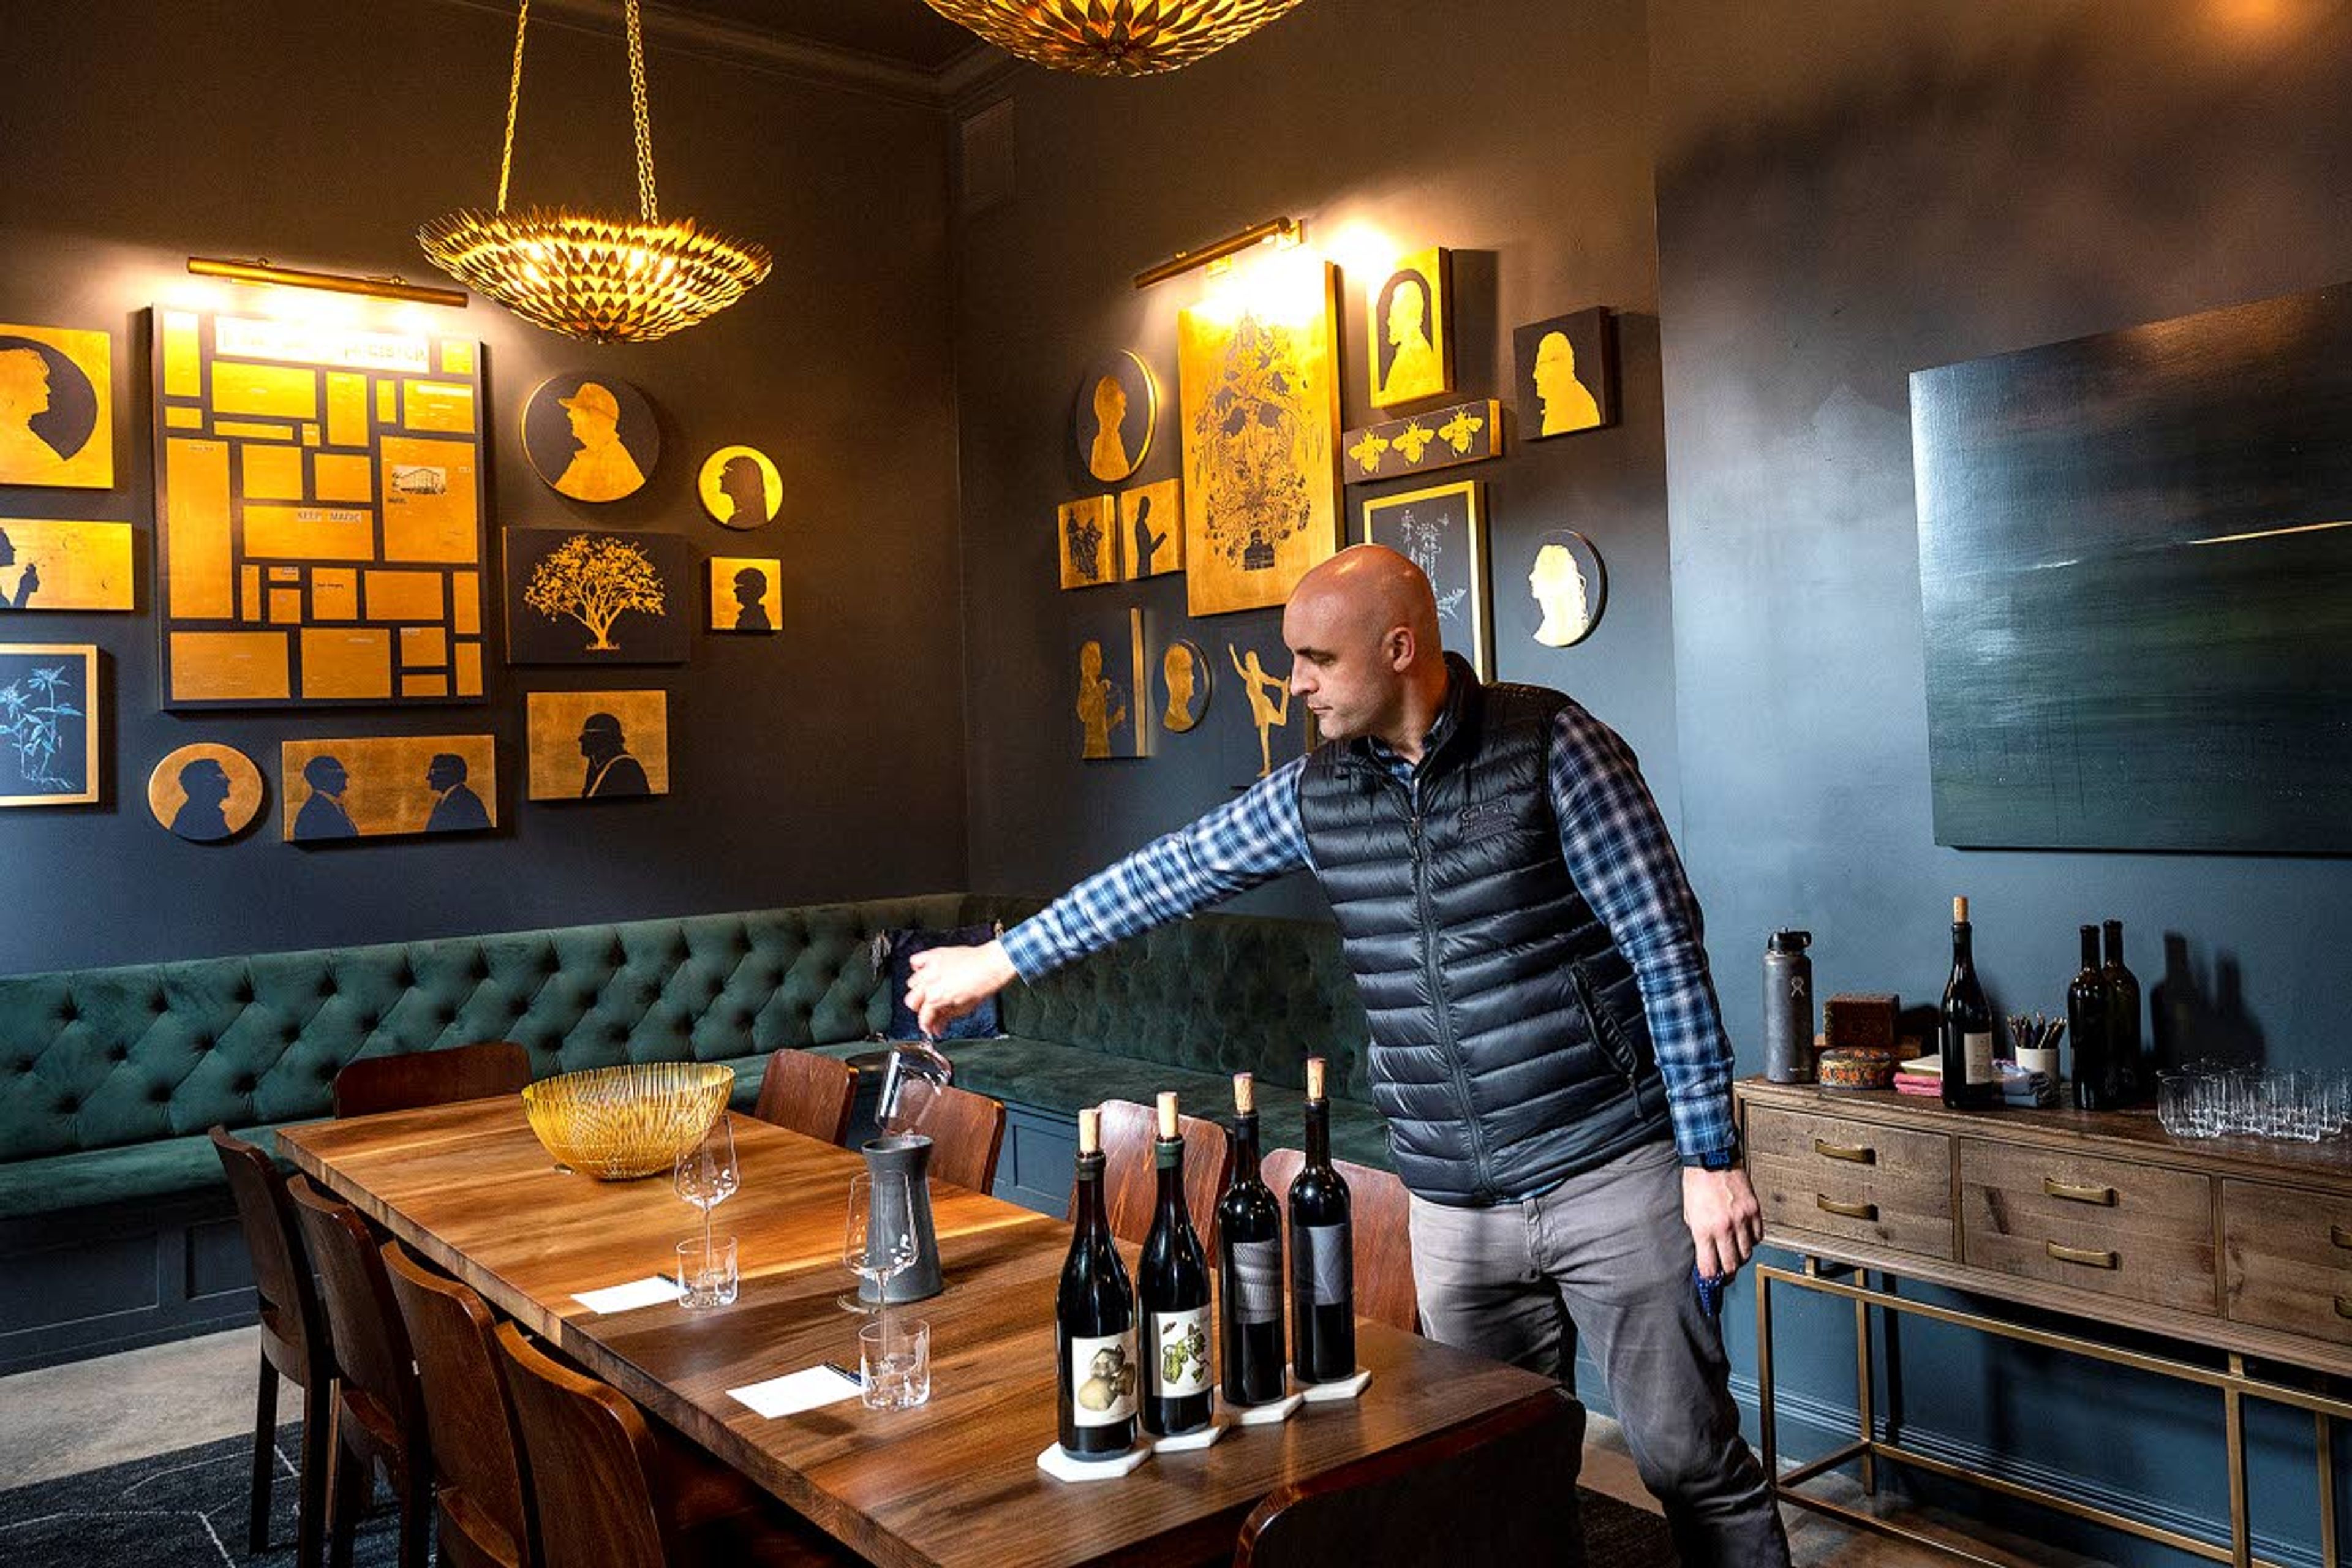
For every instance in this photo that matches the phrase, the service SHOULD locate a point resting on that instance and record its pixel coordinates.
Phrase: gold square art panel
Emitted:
(1151, 529)
(318, 506)
(1408, 354)
(747, 594)
(597, 745)
(52, 565)
(57, 407)
(374, 786)
(1257, 376)
(1088, 532)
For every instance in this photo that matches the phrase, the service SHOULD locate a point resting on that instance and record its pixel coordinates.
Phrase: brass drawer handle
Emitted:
(2102, 1195)
(2079, 1255)
(2343, 1307)
(2339, 1236)
(1850, 1211)
(1860, 1153)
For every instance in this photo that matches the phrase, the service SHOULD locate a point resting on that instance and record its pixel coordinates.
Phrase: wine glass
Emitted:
(707, 1175)
(878, 1241)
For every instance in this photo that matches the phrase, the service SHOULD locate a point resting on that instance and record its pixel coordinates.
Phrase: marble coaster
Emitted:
(1325, 1392)
(1266, 1415)
(1062, 1467)
(1190, 1440)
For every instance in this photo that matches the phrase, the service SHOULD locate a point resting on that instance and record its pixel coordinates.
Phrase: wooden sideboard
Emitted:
(2240, 1245)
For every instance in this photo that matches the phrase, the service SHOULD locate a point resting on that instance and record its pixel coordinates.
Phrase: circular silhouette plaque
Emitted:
(740, 487)
(592, 438)
(1112, 418)
(205, 793)
(1571, 585)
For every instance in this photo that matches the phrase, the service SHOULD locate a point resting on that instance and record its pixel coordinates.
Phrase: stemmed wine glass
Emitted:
(707, 1175)
(878, 1242)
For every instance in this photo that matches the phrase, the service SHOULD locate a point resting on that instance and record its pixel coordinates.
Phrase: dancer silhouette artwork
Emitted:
(1269, 701)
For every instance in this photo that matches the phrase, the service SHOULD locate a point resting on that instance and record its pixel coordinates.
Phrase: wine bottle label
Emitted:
(1102, 1374)
(1256, 1280)
(1978, 1050)
(1179, 1356)
(1328, 1256)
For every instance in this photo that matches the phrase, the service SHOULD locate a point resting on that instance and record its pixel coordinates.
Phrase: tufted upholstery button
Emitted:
(289, 1034)
(159, 1094)
(371, 1021)
(67, 1011)
(118, 1053)
(68, 1105)
(481, 970)
(157, 1006)
(202, 1043)
(244, 992)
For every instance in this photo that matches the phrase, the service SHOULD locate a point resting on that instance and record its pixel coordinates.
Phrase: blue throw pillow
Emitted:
(894, 954)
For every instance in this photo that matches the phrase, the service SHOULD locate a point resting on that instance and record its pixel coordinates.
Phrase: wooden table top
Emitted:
(953, 1482)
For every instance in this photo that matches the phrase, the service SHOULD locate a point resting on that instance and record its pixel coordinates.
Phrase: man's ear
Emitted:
(1402, 648)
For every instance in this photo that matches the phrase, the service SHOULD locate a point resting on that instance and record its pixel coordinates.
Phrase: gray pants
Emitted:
(1607, 1254)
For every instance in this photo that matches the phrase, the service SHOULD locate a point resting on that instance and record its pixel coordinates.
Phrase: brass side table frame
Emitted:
(2235, 1384)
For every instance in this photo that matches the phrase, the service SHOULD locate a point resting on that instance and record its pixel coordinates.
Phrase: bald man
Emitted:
(1545, 1043)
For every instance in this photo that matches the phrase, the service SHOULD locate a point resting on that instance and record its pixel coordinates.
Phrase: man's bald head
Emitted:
(1369, 590)
(1366, 651)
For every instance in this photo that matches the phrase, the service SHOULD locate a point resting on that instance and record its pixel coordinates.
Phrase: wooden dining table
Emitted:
(953, 1482)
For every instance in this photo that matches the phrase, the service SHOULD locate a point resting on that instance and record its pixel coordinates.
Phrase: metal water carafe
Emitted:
(1789, 1008)
(907, 1154)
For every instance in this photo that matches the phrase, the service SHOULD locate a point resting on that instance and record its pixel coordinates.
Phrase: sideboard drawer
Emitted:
(2287, 1258)
(2109, 1226)
(1858, 1180)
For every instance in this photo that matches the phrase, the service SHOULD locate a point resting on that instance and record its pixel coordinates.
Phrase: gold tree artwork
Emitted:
(595, 582)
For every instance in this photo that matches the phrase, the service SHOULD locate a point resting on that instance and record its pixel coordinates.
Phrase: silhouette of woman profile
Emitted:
(752, 593)
(611, 770)
(1108, 458)
(26, 585)
(324, 815)
(25, 457)
(745, 485)
(202, 816)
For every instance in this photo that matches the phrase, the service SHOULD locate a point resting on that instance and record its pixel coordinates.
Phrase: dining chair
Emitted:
(1132, 1179)
(294, 1345)
(1381, 1217)
(808, 1093)
(607, 1493)
(966, 1130)
(379, 1408)
(412, 1079)
(482, 1507)
(1487, 1491)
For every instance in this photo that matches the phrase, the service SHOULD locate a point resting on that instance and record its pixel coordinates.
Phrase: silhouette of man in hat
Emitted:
(601, 469)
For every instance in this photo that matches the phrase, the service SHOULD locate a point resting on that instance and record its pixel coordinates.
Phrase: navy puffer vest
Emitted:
(1510, 1050)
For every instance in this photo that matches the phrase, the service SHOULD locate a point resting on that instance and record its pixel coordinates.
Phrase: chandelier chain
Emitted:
(647, 208)
(514, 98)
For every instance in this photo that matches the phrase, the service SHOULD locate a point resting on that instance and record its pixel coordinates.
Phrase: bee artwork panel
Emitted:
(1443, 439)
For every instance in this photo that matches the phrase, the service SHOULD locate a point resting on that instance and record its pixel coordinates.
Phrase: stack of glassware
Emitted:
(2220, 1100)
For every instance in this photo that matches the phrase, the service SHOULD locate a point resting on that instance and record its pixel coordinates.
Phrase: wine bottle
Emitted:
(1322, 1253)
(1964, 1040)
(1249, 1252)
(1173, 1284)
(2086, 1021)
(1094, 1322)
(2123, 1018)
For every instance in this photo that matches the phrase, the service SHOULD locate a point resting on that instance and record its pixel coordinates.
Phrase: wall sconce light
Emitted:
(260, 271)
(1280, 232)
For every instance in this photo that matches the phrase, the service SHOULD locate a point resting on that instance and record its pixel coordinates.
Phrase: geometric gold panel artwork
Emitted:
(320, 511)
(373, 787)
(64, 565)
(205, 793)
(57, 407)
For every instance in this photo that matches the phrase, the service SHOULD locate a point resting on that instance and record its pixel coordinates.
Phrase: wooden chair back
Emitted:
(483, 1508)
(590, 1457)
(293, 1327)
(809, 1094)
(416, 1078)
(373, 1357)
(1131, 1181)
(1485, 1491)
(966, 1130)
(1382, 1216)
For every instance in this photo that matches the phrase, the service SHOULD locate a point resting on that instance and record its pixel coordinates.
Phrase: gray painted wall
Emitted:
(321, 135)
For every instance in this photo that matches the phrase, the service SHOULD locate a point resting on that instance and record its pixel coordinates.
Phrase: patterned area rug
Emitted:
(186, 1510)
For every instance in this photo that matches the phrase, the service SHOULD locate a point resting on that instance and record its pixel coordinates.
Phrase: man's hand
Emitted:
(1726, 1222)
(945, 982)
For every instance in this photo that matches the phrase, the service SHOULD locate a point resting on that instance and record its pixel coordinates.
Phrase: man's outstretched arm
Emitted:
(1253, 839)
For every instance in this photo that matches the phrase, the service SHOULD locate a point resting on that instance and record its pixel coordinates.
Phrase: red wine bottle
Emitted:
(1322, 1253)
(2087, 1020)
(1173, 1282)
(1964, 1040)
(1249, 1253)
(2123, 1018)
(1094, 1322)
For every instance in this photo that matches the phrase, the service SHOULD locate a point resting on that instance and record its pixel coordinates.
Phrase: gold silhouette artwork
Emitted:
(1184, 672)
(1151, 529)
(1101, 707)
(591, 438)
(601, 469)
(1443, 439)
(57, 407)
(64, 565)
(1118, 405)
(1570, 584)
(1257, 371)
(1409, 354)
(205, 793)
(746, 593)
(1567, 374)
(378, 786)
(1113, 702)
(740, 487)
(1269, 702)
(1090, 544)
(595, 580)
(596, 745)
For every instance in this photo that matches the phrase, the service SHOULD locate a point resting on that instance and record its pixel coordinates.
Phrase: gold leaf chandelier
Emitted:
(597, 275)
(1112, 37)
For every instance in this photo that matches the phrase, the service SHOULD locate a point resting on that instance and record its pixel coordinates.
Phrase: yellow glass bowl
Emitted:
(620, 1123)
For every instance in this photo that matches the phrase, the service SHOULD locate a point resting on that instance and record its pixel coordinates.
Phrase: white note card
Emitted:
(637, 1293)
(796, 1391)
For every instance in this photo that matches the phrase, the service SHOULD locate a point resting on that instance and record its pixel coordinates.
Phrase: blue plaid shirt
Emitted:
(1616, 847)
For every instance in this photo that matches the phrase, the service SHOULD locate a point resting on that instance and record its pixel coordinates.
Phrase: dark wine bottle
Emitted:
(1094, 1322)
(2122, 1019)
(1322, 1253)
(1173, 1284)
(1249, 1253)
(1964, 1039)
(2086, 1021)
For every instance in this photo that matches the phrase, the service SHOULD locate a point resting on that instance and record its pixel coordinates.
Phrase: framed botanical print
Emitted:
(48, 723)
(1443, 531)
